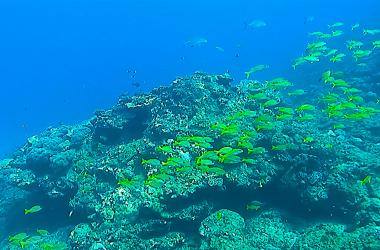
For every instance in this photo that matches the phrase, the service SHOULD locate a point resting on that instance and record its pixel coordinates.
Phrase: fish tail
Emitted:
(247, 74)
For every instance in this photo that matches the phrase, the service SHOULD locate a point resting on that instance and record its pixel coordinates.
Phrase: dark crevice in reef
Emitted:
(111, 129)
(55, 214)
(286, 201)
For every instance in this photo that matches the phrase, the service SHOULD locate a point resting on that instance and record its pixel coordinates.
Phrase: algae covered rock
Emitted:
(223, 229)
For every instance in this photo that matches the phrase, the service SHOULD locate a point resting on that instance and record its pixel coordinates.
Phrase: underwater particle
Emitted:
(255, 69)
(355, 26)
(196, 42)
(309, 19)
(371, 31)
(335, 25)
(256, 24)
(254, 205)
(366, 180)
(33, 210)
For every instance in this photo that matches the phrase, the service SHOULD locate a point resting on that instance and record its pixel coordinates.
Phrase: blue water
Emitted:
(62, 60)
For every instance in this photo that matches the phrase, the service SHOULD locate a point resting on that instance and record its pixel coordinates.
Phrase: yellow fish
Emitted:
(33, 210)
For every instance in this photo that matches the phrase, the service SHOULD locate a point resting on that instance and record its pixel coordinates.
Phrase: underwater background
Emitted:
(57, 57)
(190, 124)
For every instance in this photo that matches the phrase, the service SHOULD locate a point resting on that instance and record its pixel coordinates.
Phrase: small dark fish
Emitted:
(136, 84)
(308, 19)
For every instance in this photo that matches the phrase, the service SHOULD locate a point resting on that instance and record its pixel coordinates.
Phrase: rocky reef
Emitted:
(199, 164)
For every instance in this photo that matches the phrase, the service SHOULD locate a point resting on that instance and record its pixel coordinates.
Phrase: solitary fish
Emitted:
(254, 205)
(196, 42)
(255, 69)
(255, 24)
(371, 32)
(33, 210)
(220, 49)
(355, 26)
(366, 180)
(308, 19)
(335, 25)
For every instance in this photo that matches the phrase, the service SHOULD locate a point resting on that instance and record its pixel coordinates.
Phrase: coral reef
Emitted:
(199, 164)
